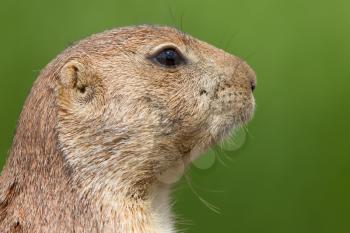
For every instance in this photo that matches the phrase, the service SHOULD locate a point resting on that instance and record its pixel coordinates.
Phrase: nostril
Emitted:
(252, 78)
(252, 85)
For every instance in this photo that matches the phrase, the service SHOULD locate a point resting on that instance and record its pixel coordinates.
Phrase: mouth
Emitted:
(246, 113)
(229, 122)
(221, 126)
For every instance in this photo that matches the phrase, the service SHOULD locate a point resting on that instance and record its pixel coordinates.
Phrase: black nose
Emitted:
(252, 85)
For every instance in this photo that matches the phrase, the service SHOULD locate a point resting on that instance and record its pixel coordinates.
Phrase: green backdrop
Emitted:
(292, 173)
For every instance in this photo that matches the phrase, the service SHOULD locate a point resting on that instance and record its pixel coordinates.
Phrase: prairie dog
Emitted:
(106, 118)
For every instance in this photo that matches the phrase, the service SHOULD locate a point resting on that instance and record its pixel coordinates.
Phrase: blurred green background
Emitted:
(292, 173)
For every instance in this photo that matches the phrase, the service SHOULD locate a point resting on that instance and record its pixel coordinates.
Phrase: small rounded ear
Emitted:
(80, 90)
(76, 75)
(80, 83)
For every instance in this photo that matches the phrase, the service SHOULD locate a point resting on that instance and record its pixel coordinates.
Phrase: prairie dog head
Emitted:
(132, 102)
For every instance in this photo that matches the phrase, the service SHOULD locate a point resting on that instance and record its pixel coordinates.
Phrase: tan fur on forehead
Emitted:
(104, 121)
(129, 38)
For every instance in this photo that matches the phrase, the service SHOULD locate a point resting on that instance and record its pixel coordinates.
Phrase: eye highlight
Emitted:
(169, 57)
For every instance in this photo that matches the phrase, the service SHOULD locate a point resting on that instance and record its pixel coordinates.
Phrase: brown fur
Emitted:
(102, 122)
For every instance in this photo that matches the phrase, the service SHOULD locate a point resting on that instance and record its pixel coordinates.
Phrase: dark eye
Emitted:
(169, 57)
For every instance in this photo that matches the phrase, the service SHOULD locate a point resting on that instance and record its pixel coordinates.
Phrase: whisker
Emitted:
(220, 151)
(228, 42)
(173, 19)
(205, 189)
(245, 127)
(205, 202)
(227, 157)
(249, 55)
(181, 20)
(222, 161)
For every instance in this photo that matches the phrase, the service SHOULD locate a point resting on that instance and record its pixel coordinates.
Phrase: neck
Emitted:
(118, 213)
(73, 207)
